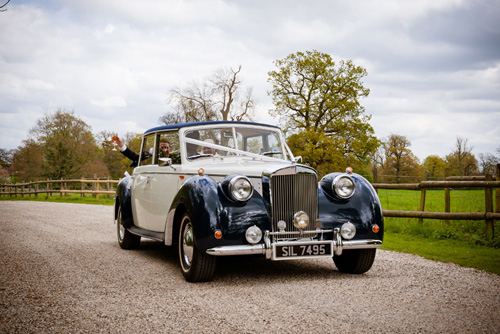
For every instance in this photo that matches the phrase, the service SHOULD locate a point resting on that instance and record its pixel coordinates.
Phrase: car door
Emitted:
(164, 181)
(141, 184)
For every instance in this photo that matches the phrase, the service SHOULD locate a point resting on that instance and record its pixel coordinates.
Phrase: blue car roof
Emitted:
(183, 125)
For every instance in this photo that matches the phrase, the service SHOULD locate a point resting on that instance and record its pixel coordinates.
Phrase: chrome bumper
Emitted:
(266, 248)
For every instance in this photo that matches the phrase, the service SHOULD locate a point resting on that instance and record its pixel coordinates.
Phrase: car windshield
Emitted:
(234, 141)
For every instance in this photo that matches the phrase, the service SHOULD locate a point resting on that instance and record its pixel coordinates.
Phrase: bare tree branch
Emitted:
(2, 6)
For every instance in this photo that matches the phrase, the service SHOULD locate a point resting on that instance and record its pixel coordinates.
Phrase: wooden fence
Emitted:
(491, 209)
(485, 182)
(59, 187)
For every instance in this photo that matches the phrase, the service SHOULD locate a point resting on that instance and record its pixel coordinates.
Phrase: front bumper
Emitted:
(267, 248)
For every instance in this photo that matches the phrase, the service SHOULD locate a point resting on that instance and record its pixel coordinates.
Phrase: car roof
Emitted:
(183, 125)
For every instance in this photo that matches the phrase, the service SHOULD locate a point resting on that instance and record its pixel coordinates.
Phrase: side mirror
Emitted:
(297, 159)
(165, 161)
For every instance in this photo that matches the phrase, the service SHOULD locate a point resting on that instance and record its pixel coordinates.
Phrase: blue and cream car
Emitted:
(235, 188)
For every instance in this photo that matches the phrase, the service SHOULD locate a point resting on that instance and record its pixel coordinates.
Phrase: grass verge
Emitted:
(454, 251)
(74, 198)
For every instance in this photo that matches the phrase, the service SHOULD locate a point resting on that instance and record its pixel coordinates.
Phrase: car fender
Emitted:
(211, 209)
(363, 209)
(124, 200)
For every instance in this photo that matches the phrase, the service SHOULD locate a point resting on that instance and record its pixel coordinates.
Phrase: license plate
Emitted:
(289, 251)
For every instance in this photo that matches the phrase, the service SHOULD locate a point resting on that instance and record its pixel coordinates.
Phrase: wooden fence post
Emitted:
(82, 188)
(497, 192)
(488, 207)
(447, 202)
(422, 204)
(97, 189)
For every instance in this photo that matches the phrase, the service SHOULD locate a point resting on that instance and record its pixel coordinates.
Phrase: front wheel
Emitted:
(196, 266)
(126, 240)
(355, 261)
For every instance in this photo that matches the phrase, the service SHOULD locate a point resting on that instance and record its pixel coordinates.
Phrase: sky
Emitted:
(433, 66)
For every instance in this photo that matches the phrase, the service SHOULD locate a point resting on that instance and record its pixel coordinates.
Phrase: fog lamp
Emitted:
(348, 231)
(253, 234)
(282, 225)
(300, 220)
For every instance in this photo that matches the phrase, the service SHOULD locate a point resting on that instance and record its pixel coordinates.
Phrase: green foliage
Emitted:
(67, 145)
(399, 160)
(317, 100)
(434, 168)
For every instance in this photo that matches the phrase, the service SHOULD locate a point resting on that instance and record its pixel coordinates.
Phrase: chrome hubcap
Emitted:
(187, 244)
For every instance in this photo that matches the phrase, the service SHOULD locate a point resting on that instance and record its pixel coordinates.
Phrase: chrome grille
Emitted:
(291, 193)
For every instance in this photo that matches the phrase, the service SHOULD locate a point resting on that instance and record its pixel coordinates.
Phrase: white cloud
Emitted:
(113, 62)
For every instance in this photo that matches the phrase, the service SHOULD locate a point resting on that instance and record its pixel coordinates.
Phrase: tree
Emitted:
(400, 162)
(488, 163)
(111, 156)
(67, 144)
(314, 95)
(461, 162)
(27, 161)
(218, 98)
(6, 157)
(434, 168)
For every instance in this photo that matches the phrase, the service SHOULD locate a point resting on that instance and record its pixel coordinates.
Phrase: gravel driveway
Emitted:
(62, 271)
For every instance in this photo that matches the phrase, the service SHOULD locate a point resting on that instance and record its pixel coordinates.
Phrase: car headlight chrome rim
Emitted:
(343, 185)
(241, 188)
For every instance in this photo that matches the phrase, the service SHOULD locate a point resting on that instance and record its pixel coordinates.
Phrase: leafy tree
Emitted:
(218, 98)
(315, 97)
(400, 162)
(28, 160)
(67, 144)
(461, 162)
(111, 156)
(434, 168)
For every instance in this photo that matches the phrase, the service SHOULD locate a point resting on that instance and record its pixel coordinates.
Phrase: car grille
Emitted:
(291, 193)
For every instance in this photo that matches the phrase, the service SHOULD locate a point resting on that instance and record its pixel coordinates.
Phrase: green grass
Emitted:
(453, 251)
(73, 198)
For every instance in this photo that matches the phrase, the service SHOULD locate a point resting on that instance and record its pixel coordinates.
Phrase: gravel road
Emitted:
(62, 271)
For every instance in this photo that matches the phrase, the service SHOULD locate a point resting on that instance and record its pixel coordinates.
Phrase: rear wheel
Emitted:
(126, 240)
(355, 261)
(196, 266)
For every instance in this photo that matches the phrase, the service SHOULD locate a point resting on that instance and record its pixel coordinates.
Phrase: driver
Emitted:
(208, 150)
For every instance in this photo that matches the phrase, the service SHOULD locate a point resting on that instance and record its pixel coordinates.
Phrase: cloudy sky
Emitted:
(433, 66)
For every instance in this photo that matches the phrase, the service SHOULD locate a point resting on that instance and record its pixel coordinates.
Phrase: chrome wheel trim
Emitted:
(121, 229)
(187, 243)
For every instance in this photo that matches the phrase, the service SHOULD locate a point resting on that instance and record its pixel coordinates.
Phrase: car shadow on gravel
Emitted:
(249, 267)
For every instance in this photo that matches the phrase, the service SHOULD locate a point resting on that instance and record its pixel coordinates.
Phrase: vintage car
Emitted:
(235, 188)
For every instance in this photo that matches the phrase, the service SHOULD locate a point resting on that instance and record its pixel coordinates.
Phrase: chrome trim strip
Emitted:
(237, 250)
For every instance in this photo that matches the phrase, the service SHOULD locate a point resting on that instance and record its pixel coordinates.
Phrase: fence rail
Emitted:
(492, 203)
(36, 187)
(489, 215)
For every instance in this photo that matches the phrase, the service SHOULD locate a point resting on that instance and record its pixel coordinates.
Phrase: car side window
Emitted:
(167, 147)
(147, 150)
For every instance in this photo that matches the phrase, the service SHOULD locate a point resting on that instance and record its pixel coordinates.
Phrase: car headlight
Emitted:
(241, 188)
(343, 186)
(348, 231)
